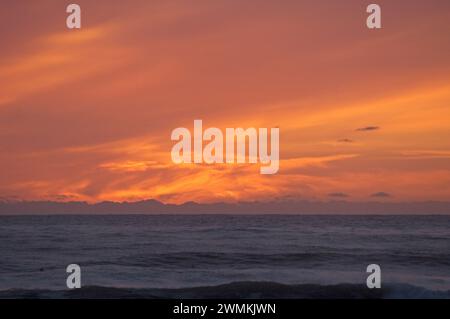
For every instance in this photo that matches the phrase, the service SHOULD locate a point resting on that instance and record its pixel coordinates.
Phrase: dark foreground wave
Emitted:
(237, 290)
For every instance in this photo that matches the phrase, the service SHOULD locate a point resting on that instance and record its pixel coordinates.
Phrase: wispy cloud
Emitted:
(367, 128)
(381, 195)
(317, 161)
(345, 140)
(424, 154)
(60, 58)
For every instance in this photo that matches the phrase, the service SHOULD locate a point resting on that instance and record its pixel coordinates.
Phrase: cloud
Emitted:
(316, 161)
(62, 197)
(367, 128)
(341, 195)
(100, 102)
(426, 154)
(56, 61)
(345, 140)
(132, 166)
(381, 195)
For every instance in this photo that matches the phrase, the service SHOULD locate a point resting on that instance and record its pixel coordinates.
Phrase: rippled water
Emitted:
(190, 251)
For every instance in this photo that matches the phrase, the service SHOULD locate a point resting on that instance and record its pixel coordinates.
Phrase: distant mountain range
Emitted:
(275, 207)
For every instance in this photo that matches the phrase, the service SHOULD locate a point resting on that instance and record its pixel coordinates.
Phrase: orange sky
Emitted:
(87, 114)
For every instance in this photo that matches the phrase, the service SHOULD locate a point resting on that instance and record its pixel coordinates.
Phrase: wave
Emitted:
(236, 290)
(206, 258)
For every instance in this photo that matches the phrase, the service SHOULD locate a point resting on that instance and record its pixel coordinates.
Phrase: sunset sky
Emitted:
(87, 114)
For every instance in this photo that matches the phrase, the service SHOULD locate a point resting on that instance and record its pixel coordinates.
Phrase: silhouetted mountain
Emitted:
(276, 207)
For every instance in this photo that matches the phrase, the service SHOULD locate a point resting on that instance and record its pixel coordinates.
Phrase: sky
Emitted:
(364, 115)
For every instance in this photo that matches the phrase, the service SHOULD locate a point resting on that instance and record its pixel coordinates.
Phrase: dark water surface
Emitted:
(157, 252)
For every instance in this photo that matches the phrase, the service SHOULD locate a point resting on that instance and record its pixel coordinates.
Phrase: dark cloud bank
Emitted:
(275, 207)
(338, 195)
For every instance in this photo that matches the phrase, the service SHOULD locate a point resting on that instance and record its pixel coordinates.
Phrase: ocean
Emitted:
(224, 256)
